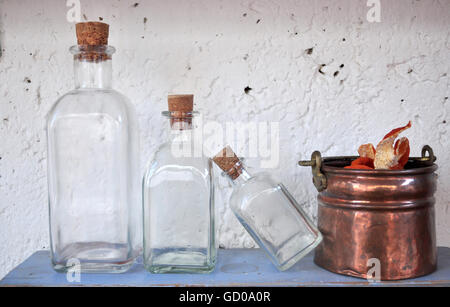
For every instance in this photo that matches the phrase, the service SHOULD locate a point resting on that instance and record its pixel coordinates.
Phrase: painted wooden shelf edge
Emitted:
(235, 268)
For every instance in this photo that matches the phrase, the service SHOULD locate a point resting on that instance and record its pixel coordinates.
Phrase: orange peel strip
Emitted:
(361, 163)
(402, 150)
(364, 161)
(367, 151)
(389, 157)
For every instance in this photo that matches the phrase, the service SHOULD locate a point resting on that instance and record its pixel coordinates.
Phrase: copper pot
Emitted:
(376, 214)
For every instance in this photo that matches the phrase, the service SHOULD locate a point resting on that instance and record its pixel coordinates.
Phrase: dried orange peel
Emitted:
(389, 154)
(362, 163)
(367, 151)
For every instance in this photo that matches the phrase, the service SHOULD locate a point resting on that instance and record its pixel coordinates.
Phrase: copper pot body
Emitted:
(386, 215)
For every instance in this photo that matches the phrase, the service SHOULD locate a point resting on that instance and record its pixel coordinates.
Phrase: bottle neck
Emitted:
(182, 139)
(180, 126)
(183, 134)
(239, 174)
(243, 177)
(93, 74)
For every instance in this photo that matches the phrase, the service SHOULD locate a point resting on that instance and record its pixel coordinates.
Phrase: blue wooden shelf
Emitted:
(237, 267)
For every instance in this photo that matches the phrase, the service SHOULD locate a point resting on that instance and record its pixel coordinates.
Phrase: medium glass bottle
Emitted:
(93, 167)
(178, 199)
(269, 213)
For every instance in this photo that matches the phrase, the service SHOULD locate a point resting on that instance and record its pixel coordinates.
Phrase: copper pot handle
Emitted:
(320, 180)
(428, 159)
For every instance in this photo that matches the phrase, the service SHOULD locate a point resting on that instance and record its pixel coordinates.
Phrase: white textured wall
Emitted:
(394, 71)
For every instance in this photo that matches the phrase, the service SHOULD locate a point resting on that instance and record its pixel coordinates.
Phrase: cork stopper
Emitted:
(181, 103)
(92, 33)
(227, 160)
(181, 108)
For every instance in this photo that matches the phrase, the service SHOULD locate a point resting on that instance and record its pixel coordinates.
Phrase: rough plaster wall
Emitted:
(393, 71)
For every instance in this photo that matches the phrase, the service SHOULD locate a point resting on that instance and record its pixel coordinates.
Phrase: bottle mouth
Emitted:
(180, 115)
(92, 53)
(99, 49)
(234, 172)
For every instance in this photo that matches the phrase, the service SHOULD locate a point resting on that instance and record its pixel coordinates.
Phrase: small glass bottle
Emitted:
(269, 213)
(93, 154)
(178, 199)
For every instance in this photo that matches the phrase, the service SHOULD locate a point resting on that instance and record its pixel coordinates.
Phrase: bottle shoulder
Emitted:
(93, 96)
(170, 153)
(255, 185)
(261, 179)
(93, 101)
(164, 159)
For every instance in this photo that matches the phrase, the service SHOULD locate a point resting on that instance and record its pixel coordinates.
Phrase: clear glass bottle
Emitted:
(93, 154)
(269, 213)
(178, 199)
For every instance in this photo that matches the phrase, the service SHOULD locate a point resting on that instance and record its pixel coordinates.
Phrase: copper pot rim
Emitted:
(335, 166)
(330, 169)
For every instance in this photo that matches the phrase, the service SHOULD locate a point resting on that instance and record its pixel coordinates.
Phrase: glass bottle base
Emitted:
(86, 267)
(179, 261)
(93, 257)
(279, 256)
(161, 269)
(291, 262)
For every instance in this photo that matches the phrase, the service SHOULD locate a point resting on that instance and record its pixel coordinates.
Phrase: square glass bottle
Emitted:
(93, 154)
(178, 199)
(269, 213)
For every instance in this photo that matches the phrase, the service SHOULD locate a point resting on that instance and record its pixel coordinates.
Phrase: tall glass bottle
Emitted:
(93, 167)
(269, 213)
(178, 193)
